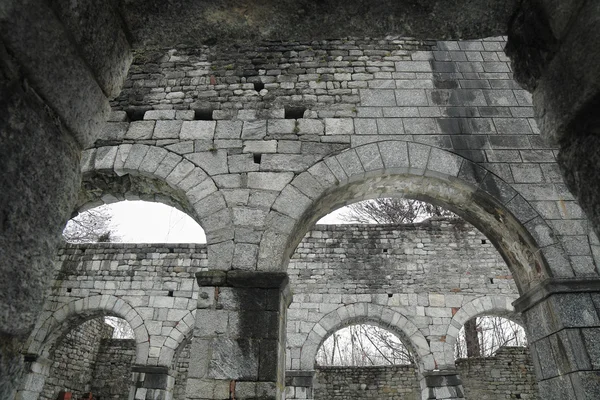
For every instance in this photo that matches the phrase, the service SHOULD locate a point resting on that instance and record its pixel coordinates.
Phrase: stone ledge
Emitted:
(299, 378)
(150, 369)
(442, 378)
(552, 286)
(242, 279)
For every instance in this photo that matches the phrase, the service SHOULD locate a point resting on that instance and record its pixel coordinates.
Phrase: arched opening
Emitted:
(134, 221)
(426, 268)
(484, 212)
(180, 367)
(363, 345)
(91, 357)
(365, 360)
(493, 359)
(484, 336)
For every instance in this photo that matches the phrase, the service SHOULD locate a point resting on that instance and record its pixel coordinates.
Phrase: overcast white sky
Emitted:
(147, 222)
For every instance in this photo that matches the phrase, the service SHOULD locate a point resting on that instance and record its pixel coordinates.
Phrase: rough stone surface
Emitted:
(465, 136)
(506, 375)
(74, 359)
(226, 21)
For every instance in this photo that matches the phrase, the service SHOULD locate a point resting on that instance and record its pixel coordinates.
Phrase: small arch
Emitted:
(176, 339)
(484, 305)
(60, 321)
(374, 314)
(151, 173)
(181, 355)
(420, 172)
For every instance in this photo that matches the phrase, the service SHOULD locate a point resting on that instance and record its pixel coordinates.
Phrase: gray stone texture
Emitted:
(74, 56)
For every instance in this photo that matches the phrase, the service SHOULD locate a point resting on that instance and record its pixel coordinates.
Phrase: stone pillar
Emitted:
(36, 371)
(562, 319)
(151, 383)
(441, 385)
(299, 384)
(60, 61)
(238, 348)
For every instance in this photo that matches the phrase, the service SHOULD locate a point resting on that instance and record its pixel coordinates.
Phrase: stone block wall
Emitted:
(426, 272)
(507, 375)
(157, 280)
(74, 360)
(399, 382)
(181, 370)
(429, 273)
(112, 372)
(435, 256)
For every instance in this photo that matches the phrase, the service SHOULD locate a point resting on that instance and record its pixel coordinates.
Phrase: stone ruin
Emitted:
(258, 118)
(421, 281)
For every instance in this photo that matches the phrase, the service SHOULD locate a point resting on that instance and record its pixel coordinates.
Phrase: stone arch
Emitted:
(500, 306)
(176, 338)
(406, 169)
(60, 321)
(381, 316)
(139, 171)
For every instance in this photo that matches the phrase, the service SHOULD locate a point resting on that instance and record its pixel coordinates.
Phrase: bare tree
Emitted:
(472, 338)
(363, 345)
(392, 211)
(122, 330)
(90, 226)
(492, 333)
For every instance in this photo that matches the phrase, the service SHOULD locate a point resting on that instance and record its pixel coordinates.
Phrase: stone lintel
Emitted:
(242, 279)
(299, 378)
(442, 378)
(150, 369)
(551, 286)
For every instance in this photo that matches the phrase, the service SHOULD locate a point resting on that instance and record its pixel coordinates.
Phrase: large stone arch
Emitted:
(113, 173)
(500, 306)
(381, 316)
(406, 169)
(57, 323)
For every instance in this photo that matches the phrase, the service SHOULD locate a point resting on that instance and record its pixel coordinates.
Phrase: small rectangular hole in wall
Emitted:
(258, 86)
(69, 290)
(390, 295)
(170, 293)
(483, 241)
(294, 112)
(491, 280)
(30, 357)
(136, 114)
(203, 114)
(257, 158)
(385, 250)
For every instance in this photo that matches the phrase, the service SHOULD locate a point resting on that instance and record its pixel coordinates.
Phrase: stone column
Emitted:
(299, 384)
(151, 383)
(60, 61)
(562, 319)
(441, 385)
(35, 373)
(238, 348)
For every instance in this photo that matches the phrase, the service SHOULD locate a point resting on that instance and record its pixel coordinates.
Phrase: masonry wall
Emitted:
(426, 272)
(181, 366)
(399, 382)
(74, 360)
(407, 261)
(112, 372)
(507, 375)
(158, 280)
